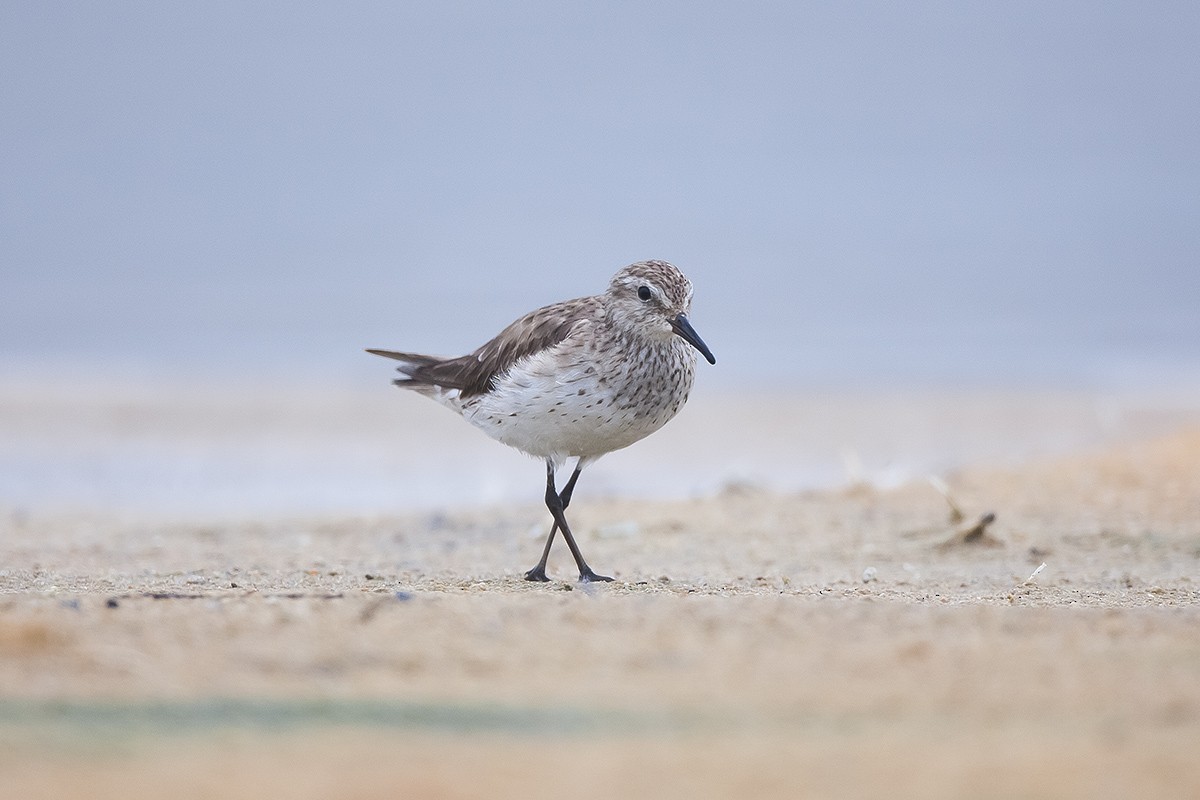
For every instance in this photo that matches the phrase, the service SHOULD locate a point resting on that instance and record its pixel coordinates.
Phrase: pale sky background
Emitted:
(902, 192)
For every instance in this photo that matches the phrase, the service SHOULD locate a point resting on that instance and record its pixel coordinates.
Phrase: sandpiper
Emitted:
(575, 379)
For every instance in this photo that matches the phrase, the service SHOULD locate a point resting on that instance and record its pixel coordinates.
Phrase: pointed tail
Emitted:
(410, 364)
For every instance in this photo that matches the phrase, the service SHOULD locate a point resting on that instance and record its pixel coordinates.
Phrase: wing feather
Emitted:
(475, 374)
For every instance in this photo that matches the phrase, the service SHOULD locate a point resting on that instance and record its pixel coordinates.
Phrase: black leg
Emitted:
(557, 504)
(538, 573)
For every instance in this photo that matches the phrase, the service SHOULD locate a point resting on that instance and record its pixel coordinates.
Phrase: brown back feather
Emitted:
(537, 330)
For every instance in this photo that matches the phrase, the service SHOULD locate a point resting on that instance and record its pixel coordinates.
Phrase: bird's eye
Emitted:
(644, 292)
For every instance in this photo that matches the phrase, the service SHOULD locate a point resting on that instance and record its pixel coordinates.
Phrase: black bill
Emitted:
(685, 331)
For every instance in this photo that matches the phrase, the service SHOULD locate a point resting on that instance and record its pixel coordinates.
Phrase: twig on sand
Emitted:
(973, 534)
(961, 530)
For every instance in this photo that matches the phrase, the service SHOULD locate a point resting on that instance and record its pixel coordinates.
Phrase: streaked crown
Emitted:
(669, 288)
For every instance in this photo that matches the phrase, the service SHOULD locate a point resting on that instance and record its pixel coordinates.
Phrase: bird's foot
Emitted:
(587, 576)
(537, 574)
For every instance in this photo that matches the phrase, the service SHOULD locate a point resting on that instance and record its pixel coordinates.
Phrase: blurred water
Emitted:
(202, 453)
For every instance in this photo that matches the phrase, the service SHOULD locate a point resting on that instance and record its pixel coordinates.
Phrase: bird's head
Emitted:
(655, 298)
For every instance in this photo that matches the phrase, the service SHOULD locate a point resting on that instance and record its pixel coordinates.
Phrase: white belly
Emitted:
(546, 412)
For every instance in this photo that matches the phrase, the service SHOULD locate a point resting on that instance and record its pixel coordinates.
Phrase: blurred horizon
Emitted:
(928, 194)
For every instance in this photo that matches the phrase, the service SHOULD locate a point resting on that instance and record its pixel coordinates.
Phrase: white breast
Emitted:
(561, 403)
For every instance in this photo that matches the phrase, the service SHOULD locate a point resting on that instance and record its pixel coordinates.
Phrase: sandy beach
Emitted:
(860, 640)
